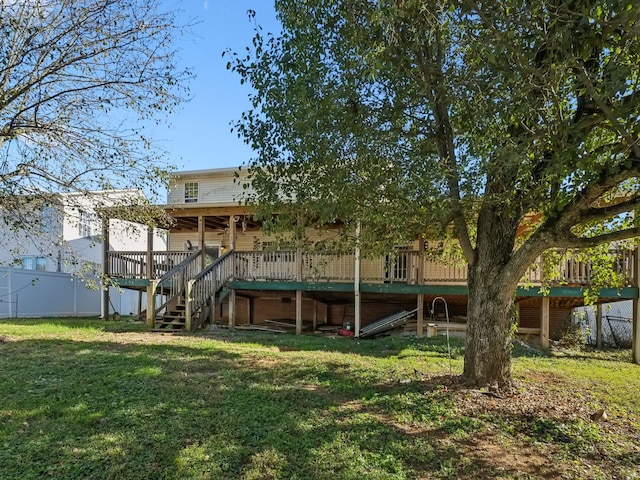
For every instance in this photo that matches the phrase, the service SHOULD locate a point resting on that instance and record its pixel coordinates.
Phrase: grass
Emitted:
(89, 399)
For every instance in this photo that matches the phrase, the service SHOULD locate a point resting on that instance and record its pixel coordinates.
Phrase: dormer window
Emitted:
(191, 192)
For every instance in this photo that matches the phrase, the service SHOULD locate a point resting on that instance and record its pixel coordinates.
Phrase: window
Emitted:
(34, 263)
(28, 263)
(86, 224)
(46, 219)
(191, 192)
(41, 263)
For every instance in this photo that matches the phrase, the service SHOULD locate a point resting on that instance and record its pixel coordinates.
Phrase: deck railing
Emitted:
(401, 267)
(134, 264)
(272, 265)
(206, 283)
(173, 283)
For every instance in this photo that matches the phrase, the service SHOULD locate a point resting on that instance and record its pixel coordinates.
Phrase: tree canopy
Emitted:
(511, 125)
(79, 79)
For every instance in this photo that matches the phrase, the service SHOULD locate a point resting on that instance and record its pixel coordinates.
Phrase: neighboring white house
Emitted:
(64, 234)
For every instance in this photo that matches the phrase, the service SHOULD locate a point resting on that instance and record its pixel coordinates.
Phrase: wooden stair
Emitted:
(204, 290)
(174, 318)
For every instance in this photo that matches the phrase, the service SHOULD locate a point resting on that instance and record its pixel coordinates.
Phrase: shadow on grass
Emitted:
(124, 325)
(591, 354)
(378, 347)
(94, 409)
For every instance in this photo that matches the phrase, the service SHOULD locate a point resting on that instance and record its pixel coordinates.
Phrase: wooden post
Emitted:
(232, 309)
(105, 268)
(599, 326)
(187, 302)
(299, 292)
(151, 289)
(356, 285)
(151, 303)
(249, 309)
(635, 328)
(232, 232)
(315, 315)
(201, 228)
(420, 306)
(544, 322)
(150, 268)
(298, 312)
(635, 336)
(232, 244)
(212, 310)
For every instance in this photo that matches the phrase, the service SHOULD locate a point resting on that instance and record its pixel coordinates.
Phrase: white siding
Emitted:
(215, 189)
(63, 246)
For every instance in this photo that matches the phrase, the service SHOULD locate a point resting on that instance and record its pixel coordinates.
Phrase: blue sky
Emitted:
(199, 134)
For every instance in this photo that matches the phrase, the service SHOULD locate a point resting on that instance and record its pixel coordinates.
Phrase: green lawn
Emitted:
(88, 399)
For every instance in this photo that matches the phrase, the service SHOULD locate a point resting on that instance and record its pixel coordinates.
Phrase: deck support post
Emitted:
(356, 285)
(139, 304)
(635, 331)
(105, 268)
(298, 312)
(544, 322)
(212, 310)
(314, 325)
(232, 309)
(420, 281)
(150, 265)
(299, 292)
(151, 302)
(635, 335)
(599, 326)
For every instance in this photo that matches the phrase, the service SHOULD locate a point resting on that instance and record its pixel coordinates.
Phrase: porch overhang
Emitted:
(215, 217)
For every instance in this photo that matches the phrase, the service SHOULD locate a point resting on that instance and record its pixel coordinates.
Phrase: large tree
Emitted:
(463, 117)
(79, 80)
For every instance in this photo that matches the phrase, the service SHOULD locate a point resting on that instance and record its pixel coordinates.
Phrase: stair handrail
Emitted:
(207, 283)
(177, 278)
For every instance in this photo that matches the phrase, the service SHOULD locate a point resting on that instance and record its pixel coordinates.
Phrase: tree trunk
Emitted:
(490, 318)
(491, 310)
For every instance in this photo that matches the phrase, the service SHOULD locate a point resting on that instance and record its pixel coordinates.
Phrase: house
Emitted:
(62, 233)
(244, 277)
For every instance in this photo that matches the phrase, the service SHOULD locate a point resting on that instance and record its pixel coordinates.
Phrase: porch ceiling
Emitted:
(212, 222)
(346, 298)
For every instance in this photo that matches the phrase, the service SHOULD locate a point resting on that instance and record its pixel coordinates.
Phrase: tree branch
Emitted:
(602, 213)
(446, 148)
(569, 240)
(583, 200)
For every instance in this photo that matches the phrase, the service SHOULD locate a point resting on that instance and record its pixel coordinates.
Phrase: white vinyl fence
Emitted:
(617, 321)
(31, 293)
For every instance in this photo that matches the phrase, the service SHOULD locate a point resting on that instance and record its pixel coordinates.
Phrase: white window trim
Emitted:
(189, 196)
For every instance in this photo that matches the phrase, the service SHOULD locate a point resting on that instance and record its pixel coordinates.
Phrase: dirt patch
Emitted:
(486, 452)
(260, 361)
